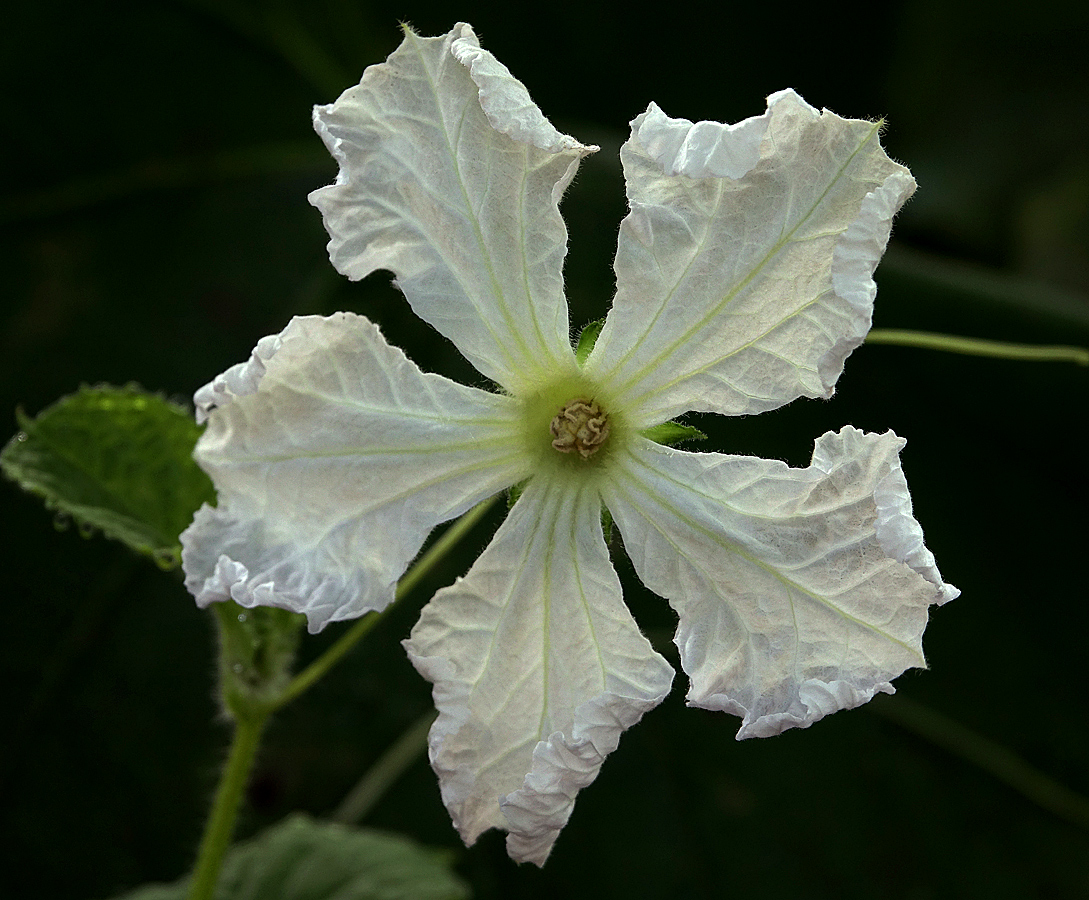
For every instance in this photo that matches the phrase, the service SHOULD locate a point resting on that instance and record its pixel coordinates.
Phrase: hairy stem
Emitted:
(220, 828)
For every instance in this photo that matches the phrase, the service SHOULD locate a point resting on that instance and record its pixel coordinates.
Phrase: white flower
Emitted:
(744, 279)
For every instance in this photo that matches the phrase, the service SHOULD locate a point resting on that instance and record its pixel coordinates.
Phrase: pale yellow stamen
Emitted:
(580, 427)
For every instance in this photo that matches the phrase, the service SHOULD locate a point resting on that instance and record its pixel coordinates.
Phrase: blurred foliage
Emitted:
(301, 859)
(155, 165)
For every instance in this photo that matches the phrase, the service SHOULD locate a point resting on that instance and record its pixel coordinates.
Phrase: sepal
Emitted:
(256, 655)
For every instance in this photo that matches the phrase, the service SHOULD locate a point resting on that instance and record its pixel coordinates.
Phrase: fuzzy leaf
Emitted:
(116, 460)
(301, 859)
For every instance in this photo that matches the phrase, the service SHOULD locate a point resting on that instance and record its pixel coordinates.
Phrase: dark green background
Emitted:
(154, 167)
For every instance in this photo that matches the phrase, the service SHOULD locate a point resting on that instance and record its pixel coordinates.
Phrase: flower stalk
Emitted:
(256, 652)
(220, 828)
(969, 346)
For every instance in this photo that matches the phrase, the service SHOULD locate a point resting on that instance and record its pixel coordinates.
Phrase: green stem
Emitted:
(423, 566)
(989, 756)
(390, 766)
(979, 347)
(220, 827)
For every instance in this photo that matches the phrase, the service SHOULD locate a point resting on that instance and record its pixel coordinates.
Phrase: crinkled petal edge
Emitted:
(238, 381)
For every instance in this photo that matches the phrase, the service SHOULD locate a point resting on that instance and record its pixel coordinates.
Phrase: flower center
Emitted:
(580, 427)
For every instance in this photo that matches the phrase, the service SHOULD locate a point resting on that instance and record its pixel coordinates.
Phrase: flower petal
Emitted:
(451, 178)
(800, 591)
(744, 269)
(334, 456)
(538, 667)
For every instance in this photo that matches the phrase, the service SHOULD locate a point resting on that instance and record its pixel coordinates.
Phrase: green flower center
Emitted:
(573, 429)
(580, 427)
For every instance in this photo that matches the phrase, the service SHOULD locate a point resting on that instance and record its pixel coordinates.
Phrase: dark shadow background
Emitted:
(154, 167)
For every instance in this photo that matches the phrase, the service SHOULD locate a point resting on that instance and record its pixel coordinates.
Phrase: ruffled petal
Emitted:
(744, 269)
(451, 178)
(334, 456)
(800, 591)
(538, 667)
(237, 381)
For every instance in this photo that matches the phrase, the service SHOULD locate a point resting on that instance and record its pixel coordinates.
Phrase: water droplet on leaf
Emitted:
(62, 521)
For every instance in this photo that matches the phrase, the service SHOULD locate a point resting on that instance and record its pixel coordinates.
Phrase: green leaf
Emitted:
(670, 433)
(587, 339)
(115, 460)
(300, 859)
